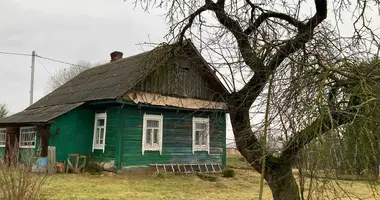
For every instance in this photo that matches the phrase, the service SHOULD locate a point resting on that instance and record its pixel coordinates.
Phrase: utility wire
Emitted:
(58, 61)
(16, 54)
(48, 71)
(42, 57)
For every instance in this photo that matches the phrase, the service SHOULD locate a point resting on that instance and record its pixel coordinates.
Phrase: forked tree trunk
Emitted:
(279, 174)
(282, 183)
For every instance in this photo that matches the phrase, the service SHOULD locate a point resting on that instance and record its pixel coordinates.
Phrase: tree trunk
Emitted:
(278, 173)
(282, 183)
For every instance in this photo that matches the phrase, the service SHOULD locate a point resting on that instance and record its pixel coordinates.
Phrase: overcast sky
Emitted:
(67, 30)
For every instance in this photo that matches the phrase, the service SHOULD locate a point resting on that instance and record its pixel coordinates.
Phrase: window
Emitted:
(201, 136)
(99, 139)
(152, 133)
(28, 137)
(3, 133)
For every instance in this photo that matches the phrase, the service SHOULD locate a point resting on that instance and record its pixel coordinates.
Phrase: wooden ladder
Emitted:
(188, 168)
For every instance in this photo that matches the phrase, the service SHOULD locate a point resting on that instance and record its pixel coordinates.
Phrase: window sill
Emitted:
(200, 149)
(2, 146)
(27, 147)
(99, 148)
(151, 149)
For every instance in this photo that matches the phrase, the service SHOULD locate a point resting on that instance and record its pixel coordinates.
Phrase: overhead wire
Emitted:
(42, 57)
(58, 61)
(53, 77)
(14, 53)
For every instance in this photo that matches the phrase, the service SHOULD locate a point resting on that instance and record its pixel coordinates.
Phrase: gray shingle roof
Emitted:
(39, 115)
(108, 81)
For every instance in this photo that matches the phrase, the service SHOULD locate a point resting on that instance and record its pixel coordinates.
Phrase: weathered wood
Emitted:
(220, 168)
(179, 79)
(77, 167)
(212, 166)
(179, 169)
(52, 161)
(185, 167)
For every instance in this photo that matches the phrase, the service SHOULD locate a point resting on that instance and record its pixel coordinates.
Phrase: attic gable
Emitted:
(184, 75)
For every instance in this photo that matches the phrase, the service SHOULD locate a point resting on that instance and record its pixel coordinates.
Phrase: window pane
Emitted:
(197, 137)
(155, 136)
(149, 136)
(100, 122)
(204, 139)
(101, 133)
(97, 136)
(2, 138)
(201, 126)
(152, 123)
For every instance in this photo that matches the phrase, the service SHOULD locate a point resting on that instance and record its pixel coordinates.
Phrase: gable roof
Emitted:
(108, 81)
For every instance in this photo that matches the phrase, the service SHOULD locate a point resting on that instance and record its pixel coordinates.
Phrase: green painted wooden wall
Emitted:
(177, 136)
(124, 136)
(75, 135)
(2, 151)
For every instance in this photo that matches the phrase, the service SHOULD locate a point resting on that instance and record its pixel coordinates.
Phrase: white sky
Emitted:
(67, 30)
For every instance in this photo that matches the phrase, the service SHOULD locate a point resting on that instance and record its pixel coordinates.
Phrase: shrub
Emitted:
(208, 177)
(229, 173)
(16, 180)
(93, 168)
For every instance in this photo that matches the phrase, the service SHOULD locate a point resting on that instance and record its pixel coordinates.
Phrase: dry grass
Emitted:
(144, 186)
(147, 186)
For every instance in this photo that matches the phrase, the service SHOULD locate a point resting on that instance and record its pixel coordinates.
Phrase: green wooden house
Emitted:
(159, 107)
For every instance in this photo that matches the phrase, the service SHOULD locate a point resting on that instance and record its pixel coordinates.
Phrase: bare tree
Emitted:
(66, 74)
(3, 110)
(287, 70)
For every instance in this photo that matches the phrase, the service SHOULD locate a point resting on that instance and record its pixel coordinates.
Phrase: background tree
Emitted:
(66, 74)
(3, 110)
(287, 69)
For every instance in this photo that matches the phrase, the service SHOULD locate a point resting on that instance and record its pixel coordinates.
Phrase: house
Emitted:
(158, 107)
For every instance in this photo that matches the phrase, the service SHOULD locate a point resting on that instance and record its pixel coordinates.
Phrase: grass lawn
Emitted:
(148, 186)
(133, 186)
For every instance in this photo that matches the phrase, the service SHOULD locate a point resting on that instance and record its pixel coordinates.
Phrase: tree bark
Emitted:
(278, 172)
(282, 183)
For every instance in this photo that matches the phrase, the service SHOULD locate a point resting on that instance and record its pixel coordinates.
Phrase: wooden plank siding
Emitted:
(177, 136)
(124, 129)
(2, 152)
(75, 136)
(179, 78)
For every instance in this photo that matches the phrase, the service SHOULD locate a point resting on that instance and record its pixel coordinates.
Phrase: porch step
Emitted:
(188, 168)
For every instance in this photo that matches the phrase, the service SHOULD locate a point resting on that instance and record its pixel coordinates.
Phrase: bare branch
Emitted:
(256, 24)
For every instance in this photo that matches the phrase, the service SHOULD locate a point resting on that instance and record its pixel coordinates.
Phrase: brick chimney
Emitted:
(116, 55)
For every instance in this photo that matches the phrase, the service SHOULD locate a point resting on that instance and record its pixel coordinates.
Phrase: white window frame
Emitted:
(98, 116)
(158, 147)
(35, 136)
(201, 147)
(3, 131)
